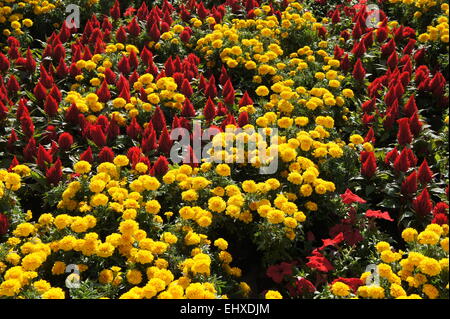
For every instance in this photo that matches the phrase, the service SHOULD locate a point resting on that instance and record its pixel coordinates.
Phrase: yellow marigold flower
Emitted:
(262, 91)
(356, 139)
(428, 237)
(82, 167)
(134, 276)
(382, 246)
(340, 289)
(273, 294)
(121, 160)
(223, 170)
(54, 293)
(409, 235)
(430, 266)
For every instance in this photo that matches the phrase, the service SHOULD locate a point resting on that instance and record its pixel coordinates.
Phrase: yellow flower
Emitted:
(121, 160)
(273, 294)
(223, 170)
(54, 293)
(262, 91)
(82, 167)
(340, 289)
(409, 234)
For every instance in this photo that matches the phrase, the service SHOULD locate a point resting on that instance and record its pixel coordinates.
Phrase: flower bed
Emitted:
(224, 149)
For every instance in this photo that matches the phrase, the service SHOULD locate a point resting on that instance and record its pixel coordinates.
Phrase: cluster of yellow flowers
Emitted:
(11, 181)
(417, 273)
(145, 240)
(161, 92)
(438, 31)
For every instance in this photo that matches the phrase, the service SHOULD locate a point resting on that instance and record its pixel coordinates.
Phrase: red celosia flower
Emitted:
(65, 141)
(103, 93)
(369, 166)
(54, 173)
(106, 155)
(422, 204)
(43, 157)
(349, 198)
(188, 109)
(415, 124)
(243, 119)
(97, 136)
(158, 120)
(133, 27)
(154, 33)
(425, 173)
(409, 185)
(440, 208)
(209, 112)
(245, 100)
(51, 106)
(164, 142)
(160, 167)
(134, 129)
(404, 133)
(87, 155)
(4, 224)
(378, 214)
(4, 63)
(359, 73)
(115, 10)
(402, 163)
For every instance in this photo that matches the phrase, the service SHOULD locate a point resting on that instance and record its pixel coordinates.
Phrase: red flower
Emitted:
(369, 166)
(134, 129)
(65, 141)
(210, 110)
(54, 173)
(97, 136)
(4, 63)
(332, 242)
(161, 166)
(319, 262)
(51, 106)
(409, 185)
(404, 133)
(440, 208)
(188, 109)
(378, 214)
(133, 27)
(164, 143)
(245, 100)
(422, 204)
(115, 10)
(158, 120)
(359, 73)
(278, 272)
(440, 219)
(4, 224)
(304, 286)
(349, 198)
(87, 155)
(106, 155)
(43, 158)
(402, 163)
(243, 119)
(103, 92)
(425, 173)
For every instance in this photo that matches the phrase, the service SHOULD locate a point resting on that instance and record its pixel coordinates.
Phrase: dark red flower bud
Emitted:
(155, 34)
(133, 27)
(158, 120)
(97, 136)
(164, 143)
(209, 111)
(106, 155)
(369, 166)
(65, 141)
(4, 224)
(13, 85)
(160, 167)
(51, 106)
(425, 173)
(29, 151)
(402, 163)
(391, 156)
(415, 124)
(87, 155)
(245, 100)
(121, 35)
(422, 204)
(243, 119)
(54, 173)
(43, 157)
(409, 185)
(134, 129)
(404, 133)
(188, 109)
(115, 10)
(359, 73)
(124, 65)
(103, 93)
